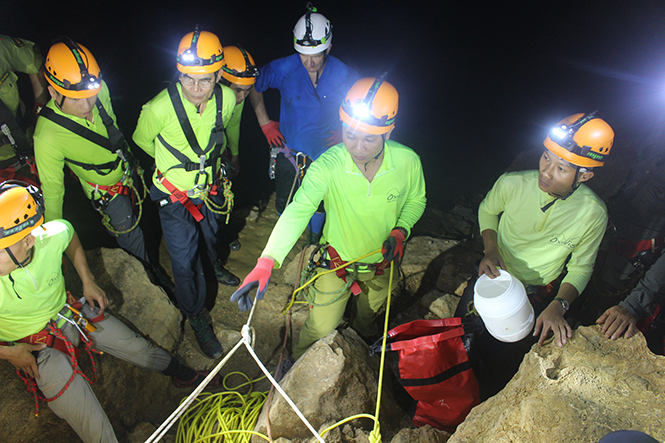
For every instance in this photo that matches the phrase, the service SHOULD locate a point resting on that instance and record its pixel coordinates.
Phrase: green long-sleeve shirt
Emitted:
(534, 244)
(359, 214)
(233, 129)
(158, 117)
(16, 55)
(54, 144)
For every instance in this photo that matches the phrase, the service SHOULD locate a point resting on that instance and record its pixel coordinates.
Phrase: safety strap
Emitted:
(180, 196)
(44, 336)
(213, 150)
(16, 136)
(336, 261)
(114, 143)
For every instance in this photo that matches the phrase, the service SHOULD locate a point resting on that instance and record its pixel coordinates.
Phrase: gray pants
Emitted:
(121, 213)
(78, 404)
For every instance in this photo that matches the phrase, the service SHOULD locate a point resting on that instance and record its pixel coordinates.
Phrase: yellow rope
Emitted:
(225, 208)
(227, 417)
(311, 280)
(230, 417)
(106, 220)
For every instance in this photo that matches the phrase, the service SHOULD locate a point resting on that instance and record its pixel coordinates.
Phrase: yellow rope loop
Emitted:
(227, 417)
(225, 208)
(328, 271)
(106, 220)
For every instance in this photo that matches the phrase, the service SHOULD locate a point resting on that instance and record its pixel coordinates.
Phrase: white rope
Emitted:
(247, 340)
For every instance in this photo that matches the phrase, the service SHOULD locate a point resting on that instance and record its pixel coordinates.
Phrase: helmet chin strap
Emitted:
(376, 157)
(563, 197)
(16, 262)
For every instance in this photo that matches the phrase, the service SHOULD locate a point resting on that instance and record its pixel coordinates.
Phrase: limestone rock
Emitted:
(419, 254)
(136, 299)
(441, 306)
(333, 380)
(426, 434)
(580, 392)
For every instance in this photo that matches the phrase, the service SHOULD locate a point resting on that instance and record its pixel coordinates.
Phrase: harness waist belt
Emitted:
(44, 336)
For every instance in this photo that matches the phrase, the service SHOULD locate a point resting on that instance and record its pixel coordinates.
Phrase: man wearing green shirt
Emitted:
(17, 120)
(374, 192)
(544, 227)
(77, 128)
(238, 73)
(183, 129)
(37, 332)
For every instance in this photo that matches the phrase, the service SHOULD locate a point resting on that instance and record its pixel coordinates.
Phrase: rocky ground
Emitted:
(577, 393)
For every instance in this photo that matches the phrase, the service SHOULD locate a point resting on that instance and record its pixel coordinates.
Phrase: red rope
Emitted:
(31, 383)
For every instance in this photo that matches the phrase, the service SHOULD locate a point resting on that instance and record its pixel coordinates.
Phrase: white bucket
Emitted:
(504, 307)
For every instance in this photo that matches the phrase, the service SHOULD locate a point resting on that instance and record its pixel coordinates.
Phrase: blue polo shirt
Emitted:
(308, 115)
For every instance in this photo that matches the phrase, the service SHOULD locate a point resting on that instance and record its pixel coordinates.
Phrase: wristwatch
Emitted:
(564, 303)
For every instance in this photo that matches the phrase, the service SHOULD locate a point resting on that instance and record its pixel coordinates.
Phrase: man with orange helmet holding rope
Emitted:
(374, 190)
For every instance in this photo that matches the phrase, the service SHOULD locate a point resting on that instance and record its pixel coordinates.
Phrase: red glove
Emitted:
(259, 275)
(272, 133)
(393, 247)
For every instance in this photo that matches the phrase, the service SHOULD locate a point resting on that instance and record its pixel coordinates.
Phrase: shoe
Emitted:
(197, 380)
(234, 245)
(284, 368)
(224, 276)
(205, 336)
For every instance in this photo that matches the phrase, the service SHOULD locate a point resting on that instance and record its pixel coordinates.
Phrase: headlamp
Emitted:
(250, 69)
(88, 81)
(363, 110)
(563, 135)
(191, 58)
(307, 39)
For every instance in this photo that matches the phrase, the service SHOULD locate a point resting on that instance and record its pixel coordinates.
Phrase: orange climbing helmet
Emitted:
(239, 67)
(583, 140)
(21, 211)
(200, 52)
(370, 106)
(72, 70)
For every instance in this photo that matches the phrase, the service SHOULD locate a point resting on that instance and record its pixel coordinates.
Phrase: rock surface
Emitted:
(577, 393)
(333, 380)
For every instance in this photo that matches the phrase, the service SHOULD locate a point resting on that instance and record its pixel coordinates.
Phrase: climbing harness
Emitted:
(247, 340)
(53, 337)
(210, 157)
(101, 195)
(14, 134)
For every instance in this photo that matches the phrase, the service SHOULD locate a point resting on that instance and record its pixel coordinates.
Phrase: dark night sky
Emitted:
(478, 83)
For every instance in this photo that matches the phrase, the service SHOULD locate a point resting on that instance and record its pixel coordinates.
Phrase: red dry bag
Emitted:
(431, 362)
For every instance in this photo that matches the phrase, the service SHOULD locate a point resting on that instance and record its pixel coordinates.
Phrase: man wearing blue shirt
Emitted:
(312, 85)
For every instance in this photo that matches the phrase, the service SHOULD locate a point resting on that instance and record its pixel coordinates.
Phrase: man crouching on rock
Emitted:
(37, 327)
(544, 227)
(373, 190)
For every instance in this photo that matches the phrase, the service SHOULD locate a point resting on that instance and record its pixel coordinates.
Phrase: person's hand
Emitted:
(551, 319)
(259, 275)
(491, 263)
(616, 321)
(393, 247)
(20, 355)
(93, 293)
(273, 134)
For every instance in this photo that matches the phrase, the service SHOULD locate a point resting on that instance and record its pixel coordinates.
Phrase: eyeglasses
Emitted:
(204, 83)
